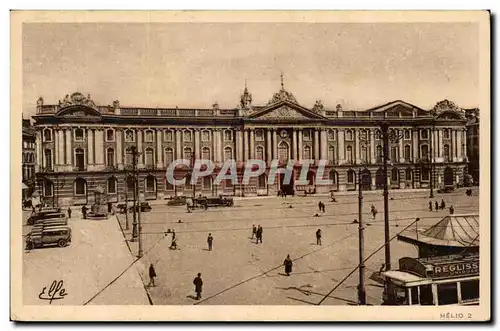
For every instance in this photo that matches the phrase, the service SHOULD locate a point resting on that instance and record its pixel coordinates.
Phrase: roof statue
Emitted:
(215, 105)
(116, 104)
(443, 106)
(246, 98)
(77, 99)
(338, 107)
(39, 102)
(282, 95)
(318, 106)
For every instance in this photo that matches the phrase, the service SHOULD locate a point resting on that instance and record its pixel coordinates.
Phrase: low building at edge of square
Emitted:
(82, 145)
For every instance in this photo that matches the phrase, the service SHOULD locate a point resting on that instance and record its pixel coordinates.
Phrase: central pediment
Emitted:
(285, 110)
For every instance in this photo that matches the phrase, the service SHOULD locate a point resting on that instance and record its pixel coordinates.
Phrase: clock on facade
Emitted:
(283, 134)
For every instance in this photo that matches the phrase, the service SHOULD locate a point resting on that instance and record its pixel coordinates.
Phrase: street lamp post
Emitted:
(431, 161)
(136, 224)
(361, 290)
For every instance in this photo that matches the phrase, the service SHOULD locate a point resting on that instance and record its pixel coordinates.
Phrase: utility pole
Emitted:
(385, 138)
(361, 290)
(134, 222)
(431, 159)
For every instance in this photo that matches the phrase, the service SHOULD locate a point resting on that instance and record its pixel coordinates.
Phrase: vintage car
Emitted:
(41, 236)
(143, 205)
(205, 202)
(52, 222)
(121, 208)
(177, 201)
(44, 214)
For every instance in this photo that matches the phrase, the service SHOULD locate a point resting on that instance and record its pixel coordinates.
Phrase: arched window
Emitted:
(394, 153)
(394, 175)
(186, 137)
(283, 152)
(228, 153)
(331, 154)
(205, 135)
(331, 134)
(349, 154)
(424, 134)
(80, 187)
(425, 174)
(47, 135)
(446, 152)
(407, 152)
(79, 134)
(187, 153)
(408, 174)
(205, 153)
(348, 135)
(48, 188)
(110, 157)
(333, 176)
(150, 183)
(80, 159)
(363, 135)
(130, 185)
(350, 176)
(364, 154)
(446, 134)
(48, 158)
(380, 154)
(262, 181)
(129, 157)
(169, 156)
(149, 137)
(149, 157)
(169, 135)
(110, 135)
(111, 185)
(207, 183)
(407, 134)
(129, 136)
(259, 135)
(228, 135)
(307, 153)
(259, 153)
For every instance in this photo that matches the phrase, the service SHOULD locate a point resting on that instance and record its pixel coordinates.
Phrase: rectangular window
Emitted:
(424, 151)
(407, 135)
(306, 135)
(350, 177)
(424, 134)
(425, 175)
(169, 135)
(447, 294)
(470, 290)
(129, 136)
(149, 136)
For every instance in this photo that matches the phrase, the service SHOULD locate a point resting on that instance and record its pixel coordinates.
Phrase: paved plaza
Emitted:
(96, 256)
(240, 272)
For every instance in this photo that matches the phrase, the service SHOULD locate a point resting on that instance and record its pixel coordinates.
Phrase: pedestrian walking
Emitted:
(84, 211)
(210, 240)
(319, 206)
(443, 205)
(173, 234)
(152, 275)
(173, 245)
(288, 265)
(430, 205)
(323, 206)
(436, 205)
(452, 210)
(69, 212)
(254, 230)
(374, 211)
(318, 237)
(259, 234)
(198, 284)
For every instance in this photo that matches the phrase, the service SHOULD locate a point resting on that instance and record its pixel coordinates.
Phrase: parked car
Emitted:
(143, 205)
(177, 201)
(219, 201)
(52, 221)
(44, 215)
(41, 236)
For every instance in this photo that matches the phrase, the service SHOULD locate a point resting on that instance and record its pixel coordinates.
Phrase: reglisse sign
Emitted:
(441, 267)
(454, 269)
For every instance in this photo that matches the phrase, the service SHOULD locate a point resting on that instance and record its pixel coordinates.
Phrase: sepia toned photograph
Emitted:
(153, 152)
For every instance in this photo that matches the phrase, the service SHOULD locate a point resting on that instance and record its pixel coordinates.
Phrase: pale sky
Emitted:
(194, 65)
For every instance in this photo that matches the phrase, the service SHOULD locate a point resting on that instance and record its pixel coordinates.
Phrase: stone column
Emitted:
(69, 150)
(452, 147)
(441, 145)
(415, 144)
(90, 144)
(159, 149)
(215, 146)
(178, 148)
(324, 145)
(357, 152)
(39, 151)
(119, 149)
(275, 144)
(459, 145)
(300, 151)
(341, 149)
(55, 134)
(140, 149)
(60, 146)
(316, 145)
(197, 146)
(252, 144)
(239, 146)
(373, 157)
(464, 139)
(245, 145)
(293, 148)
(269, 152)
(220, 150)
(401, 150)
(99, 148)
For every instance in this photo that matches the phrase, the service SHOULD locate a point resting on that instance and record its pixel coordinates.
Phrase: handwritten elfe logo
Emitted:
(56, 292)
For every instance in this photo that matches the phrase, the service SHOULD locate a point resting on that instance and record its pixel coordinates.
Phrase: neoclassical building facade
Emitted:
(82, 145)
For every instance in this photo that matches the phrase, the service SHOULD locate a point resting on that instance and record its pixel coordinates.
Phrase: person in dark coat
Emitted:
(259, 234)
(430, 205)
(436, 205)
(288, 265)
(152, 275)
(443, 205)
(452, 210)
(69, 212)
(210, 240)
(84, 211)
(318, 237)
(320, 206)
(198, 284)
(374, 211)
(254, 231)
